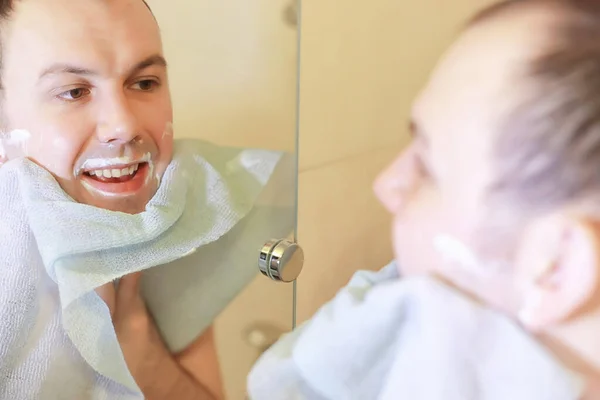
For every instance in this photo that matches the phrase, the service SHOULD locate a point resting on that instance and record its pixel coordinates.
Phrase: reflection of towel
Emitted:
(414, 339)
(56, 338)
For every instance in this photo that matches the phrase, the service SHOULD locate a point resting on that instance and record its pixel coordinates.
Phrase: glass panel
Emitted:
(91, 192)
(233, 77)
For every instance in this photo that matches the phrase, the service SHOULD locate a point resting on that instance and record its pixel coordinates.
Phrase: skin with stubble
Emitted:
(85, 95)
(502, 99)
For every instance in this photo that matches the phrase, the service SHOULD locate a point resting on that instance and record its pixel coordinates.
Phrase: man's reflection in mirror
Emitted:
(85, 95)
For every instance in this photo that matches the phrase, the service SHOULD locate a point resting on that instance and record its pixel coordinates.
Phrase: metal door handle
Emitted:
(281, 260)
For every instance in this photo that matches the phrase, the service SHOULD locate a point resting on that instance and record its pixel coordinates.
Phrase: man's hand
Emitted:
(154, 369)
(138, 336)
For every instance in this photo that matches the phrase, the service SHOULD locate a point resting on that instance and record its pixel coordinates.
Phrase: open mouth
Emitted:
(117, 179)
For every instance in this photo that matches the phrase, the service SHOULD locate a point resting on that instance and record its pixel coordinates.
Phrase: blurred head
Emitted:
(85, 95)
(499, 191)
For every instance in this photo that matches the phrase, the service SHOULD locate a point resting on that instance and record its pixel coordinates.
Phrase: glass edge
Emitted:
(297, 145)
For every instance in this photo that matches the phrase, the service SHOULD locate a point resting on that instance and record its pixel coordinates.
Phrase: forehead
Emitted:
(483, 71)
(104, 32)
(479, 78)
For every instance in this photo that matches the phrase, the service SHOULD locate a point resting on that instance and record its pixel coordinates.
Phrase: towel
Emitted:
(387, 338)
(56, 337)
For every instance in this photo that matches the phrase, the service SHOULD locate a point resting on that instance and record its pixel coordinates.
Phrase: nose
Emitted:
(394, 183)
(118, 121)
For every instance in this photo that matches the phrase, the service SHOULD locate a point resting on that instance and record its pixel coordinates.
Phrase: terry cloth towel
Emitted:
(56, 337)
(385, 338)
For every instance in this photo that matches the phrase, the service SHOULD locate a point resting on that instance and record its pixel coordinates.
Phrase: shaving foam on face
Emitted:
(168, 130)
(455, 251)
(150, 168)
(98, 163)
(19, 136)
(14, 143)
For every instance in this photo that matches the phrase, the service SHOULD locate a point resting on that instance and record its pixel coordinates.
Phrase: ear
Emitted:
(557, 270)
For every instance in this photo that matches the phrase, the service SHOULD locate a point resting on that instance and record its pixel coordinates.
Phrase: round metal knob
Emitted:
(281, 260)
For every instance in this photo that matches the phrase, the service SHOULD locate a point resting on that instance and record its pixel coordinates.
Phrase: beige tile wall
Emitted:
(362, 65)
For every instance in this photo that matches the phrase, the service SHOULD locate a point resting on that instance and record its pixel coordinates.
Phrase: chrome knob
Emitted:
(281, 260)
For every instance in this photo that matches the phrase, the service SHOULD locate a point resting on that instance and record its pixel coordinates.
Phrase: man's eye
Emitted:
(145, 85)
(74, 94)
(422, 166)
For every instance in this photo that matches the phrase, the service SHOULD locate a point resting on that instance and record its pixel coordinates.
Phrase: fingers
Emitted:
(129, 287)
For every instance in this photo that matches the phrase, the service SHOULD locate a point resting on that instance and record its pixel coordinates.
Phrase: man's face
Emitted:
(86, 95)
(437, 187)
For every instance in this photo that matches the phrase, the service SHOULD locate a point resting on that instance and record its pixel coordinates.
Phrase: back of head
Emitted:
(547, 150)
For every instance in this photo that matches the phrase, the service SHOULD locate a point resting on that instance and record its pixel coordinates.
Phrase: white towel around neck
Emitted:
(384, 338)
(56, 337)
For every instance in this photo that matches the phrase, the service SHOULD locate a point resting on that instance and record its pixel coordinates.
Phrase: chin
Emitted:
(127, 206)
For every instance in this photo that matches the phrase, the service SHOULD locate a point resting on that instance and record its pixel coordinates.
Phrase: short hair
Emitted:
(6, 10)
(547, 150)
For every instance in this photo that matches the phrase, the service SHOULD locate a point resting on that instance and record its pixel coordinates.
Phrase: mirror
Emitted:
(149, 163)
(233, 71)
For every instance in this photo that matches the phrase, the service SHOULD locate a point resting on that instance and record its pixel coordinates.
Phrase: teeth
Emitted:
(114, 173)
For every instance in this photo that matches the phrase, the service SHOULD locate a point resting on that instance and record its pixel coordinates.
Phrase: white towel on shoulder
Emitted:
(391, 339)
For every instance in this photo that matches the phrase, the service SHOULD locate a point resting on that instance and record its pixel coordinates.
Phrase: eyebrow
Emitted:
(61, 68)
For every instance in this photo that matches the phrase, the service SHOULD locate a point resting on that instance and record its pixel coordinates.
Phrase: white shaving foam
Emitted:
(18, 136)
(99, 163)
(15, 140)
(455, 251)
(150, 168)
(168, 130)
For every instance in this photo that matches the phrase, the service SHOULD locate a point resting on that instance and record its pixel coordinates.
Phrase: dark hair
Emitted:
(547, 150)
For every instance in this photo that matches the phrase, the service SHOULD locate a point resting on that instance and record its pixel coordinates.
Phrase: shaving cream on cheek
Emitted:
(150, 174)
(456, 252)
(168, 132)
(14, 144)
(167, 135)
